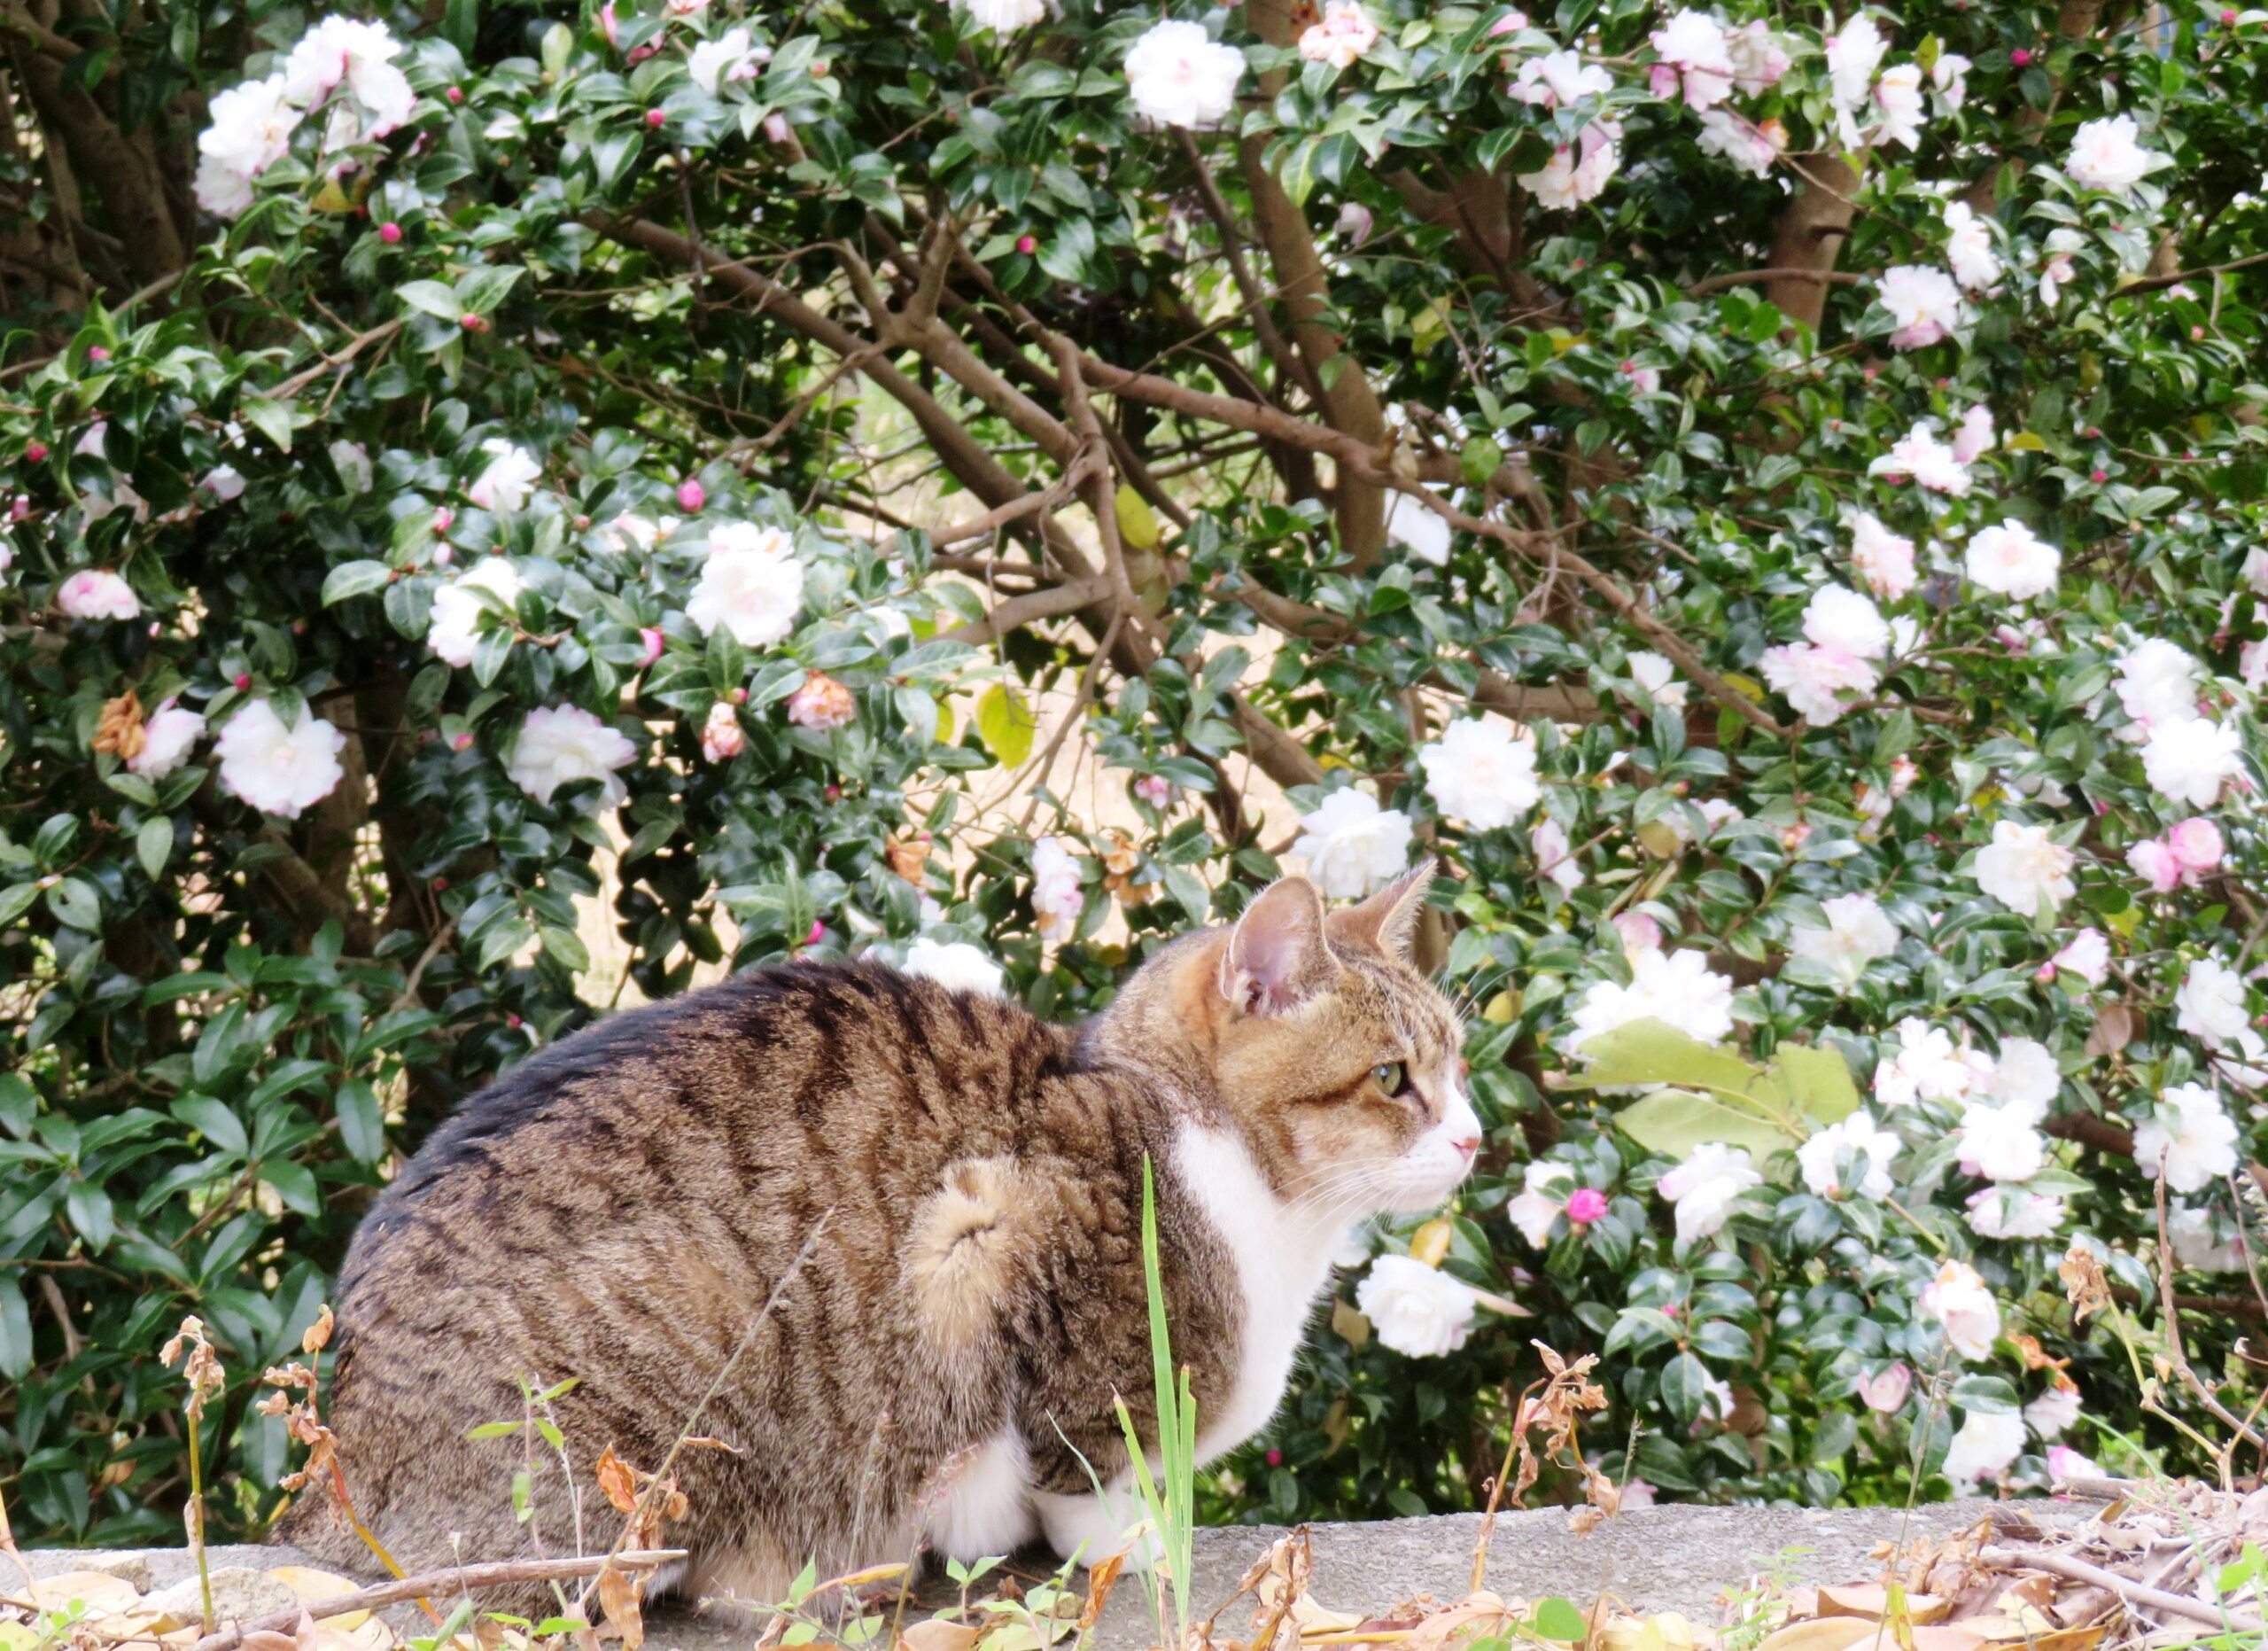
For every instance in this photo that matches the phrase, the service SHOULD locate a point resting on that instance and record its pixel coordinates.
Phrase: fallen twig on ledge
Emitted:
(2132, 1592)
(454, 1580)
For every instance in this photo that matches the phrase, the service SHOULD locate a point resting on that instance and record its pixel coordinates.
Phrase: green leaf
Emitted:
(1006, 724)
(213, 1120)
(434, 298)
(75, 903)
(1685, 1384)
(1559, 1619)
(19, 1103)
(1653, 1052)
(153, 845)
(15, 901)
(1674, 1122)
(1813, 1083)
(361, 1122)
(15, 1331)
(271, 418)
(493, 1431)
(89, 1209)
(566, 947)
(355, 579)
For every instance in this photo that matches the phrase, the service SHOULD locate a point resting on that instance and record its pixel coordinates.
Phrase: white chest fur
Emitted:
(1282, 1257)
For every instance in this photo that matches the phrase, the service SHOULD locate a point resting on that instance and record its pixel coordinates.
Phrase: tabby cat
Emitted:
(897, 1227)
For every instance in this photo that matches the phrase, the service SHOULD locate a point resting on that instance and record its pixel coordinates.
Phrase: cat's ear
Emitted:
(1388, 920)
(1276, 956)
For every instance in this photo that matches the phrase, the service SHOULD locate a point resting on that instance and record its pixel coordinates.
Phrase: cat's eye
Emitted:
(1387, 1075)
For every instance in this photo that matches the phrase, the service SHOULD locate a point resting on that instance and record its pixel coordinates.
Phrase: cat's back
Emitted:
(721, 1113)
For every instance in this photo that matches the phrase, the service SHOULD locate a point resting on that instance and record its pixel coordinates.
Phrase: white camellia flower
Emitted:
(1813, 679)
(1741, 141)
(1857, 932)
(1560, 78)
(1949, 74)
(1004, 17)
(2011, 561)
(346, 51)
(751, 584)
(560, 745)
(1057, 895)
(2025, 1078)
(2157, 684)
(2191, 1135)
(1923, 304)
(955, 964)
(1845, 621)
(503, 486)
(94, 593)
(1921, 458)
(2053, 1413)
(458, 609)
(1985, 1447)
(1417, 1310)
(1482, 773)
(2010, 1211)
(249, 128)
(1179, 76)
(1761, 59)
(279, 769)
(1884, 559)
(1831, 1153)
(733, 56)
(1703, 1187)
(1964, 1308)
(2190, 761)
(1352, 846)
(1927, 1066)
(1577, 174)
(2197, 1244)
(168, 737)
(2024, 865)
(1900, 106)
(1424, 533)
(2107, 154)
(1658, 677)
(2001, 1143)
(1342, 38)
(1675, 987)
(1853, 54)
(2087, 956)
(1969, 247)
(2211, 1005)
(1974, 437)
(1554, 855)
(1696, 59)
(1536, 1211)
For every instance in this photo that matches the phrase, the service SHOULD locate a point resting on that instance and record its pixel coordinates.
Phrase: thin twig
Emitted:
(2132, 1592)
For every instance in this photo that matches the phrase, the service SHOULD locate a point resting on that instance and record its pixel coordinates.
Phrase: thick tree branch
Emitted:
(1068, 597)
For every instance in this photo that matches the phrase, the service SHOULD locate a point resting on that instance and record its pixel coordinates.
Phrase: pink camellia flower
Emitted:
(1154, 790)
(721, 738)
(608, 26)
(2196, 846)
(652, 638)
(821, 702)
(2063, 1463)
(444, 519)
(1585, 1206)
(775, 126)
(1639, 933)
(94, 593)
(691, 495)
(1511, 23)
(2154, 862)
(1886, 1390)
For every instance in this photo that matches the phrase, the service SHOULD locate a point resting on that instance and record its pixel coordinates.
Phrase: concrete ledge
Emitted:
(1658, 1559)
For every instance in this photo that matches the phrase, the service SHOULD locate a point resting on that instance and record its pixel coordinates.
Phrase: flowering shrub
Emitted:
(1772, 501)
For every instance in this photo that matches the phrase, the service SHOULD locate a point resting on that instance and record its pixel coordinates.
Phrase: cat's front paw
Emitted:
(1092, 1528)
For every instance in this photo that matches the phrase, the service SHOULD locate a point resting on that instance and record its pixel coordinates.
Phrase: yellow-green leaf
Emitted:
(1650, 1051)
(1006, 724)
(1674, 1122)
(1138, 523)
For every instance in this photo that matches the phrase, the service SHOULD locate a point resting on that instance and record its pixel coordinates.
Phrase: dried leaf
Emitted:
(311, 1587)
(1871, 1601)
(616, 1480)
(2083, 1283)
(939, 1635)
(619, 1592)
(1101, 1578)
(2114, 1030)
(318, 1334)
(1825, 1633)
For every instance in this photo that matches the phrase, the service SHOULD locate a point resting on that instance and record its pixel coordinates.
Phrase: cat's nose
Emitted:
(1467, 1147)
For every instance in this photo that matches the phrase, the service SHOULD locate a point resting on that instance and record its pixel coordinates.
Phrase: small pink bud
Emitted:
(582, 523)
(243, 681)
(833, 793)
(155, 628)
(775, 126)
(691, 495)
(514, 1022)
(817, 934)
(739, 695)
(1154, 788)
(440, 884)
(607, 24)
(1587, 1205)
(473, 324)
(2021, 57)
(2044, 974)
(652, 638)
(36, 452)
(443, 556)
(1793, 838)
(821, 69)
(97, 353)
(2097, 475)
(1275, 1459)
(2196, 335)
(390, 233)
(444, 519)
(639, 54)
(657, 117)
(1026, 245)
(462, 742)
(456, 94)
(2228, 17)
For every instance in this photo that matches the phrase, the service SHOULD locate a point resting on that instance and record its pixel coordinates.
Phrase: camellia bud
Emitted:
(2044, 974)
(1026, 245)
(652, 637)
(456, 94)
(243, 681)
(655, 117)
(721, 738)
(462, 742)
(1586, 1205)
(2097, 475)
(390, 233)
(691, 495)
(2021, 57)
(36, 452)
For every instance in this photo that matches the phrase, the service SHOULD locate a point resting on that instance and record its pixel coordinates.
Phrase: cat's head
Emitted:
(1340, 1061)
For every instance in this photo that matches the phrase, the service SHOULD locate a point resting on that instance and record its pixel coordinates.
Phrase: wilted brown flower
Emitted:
(201, 1366)
(821, 702)
(120, 731)
(1119, 861)
(2084, 1282)
(318, 1334)
(909, 857)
